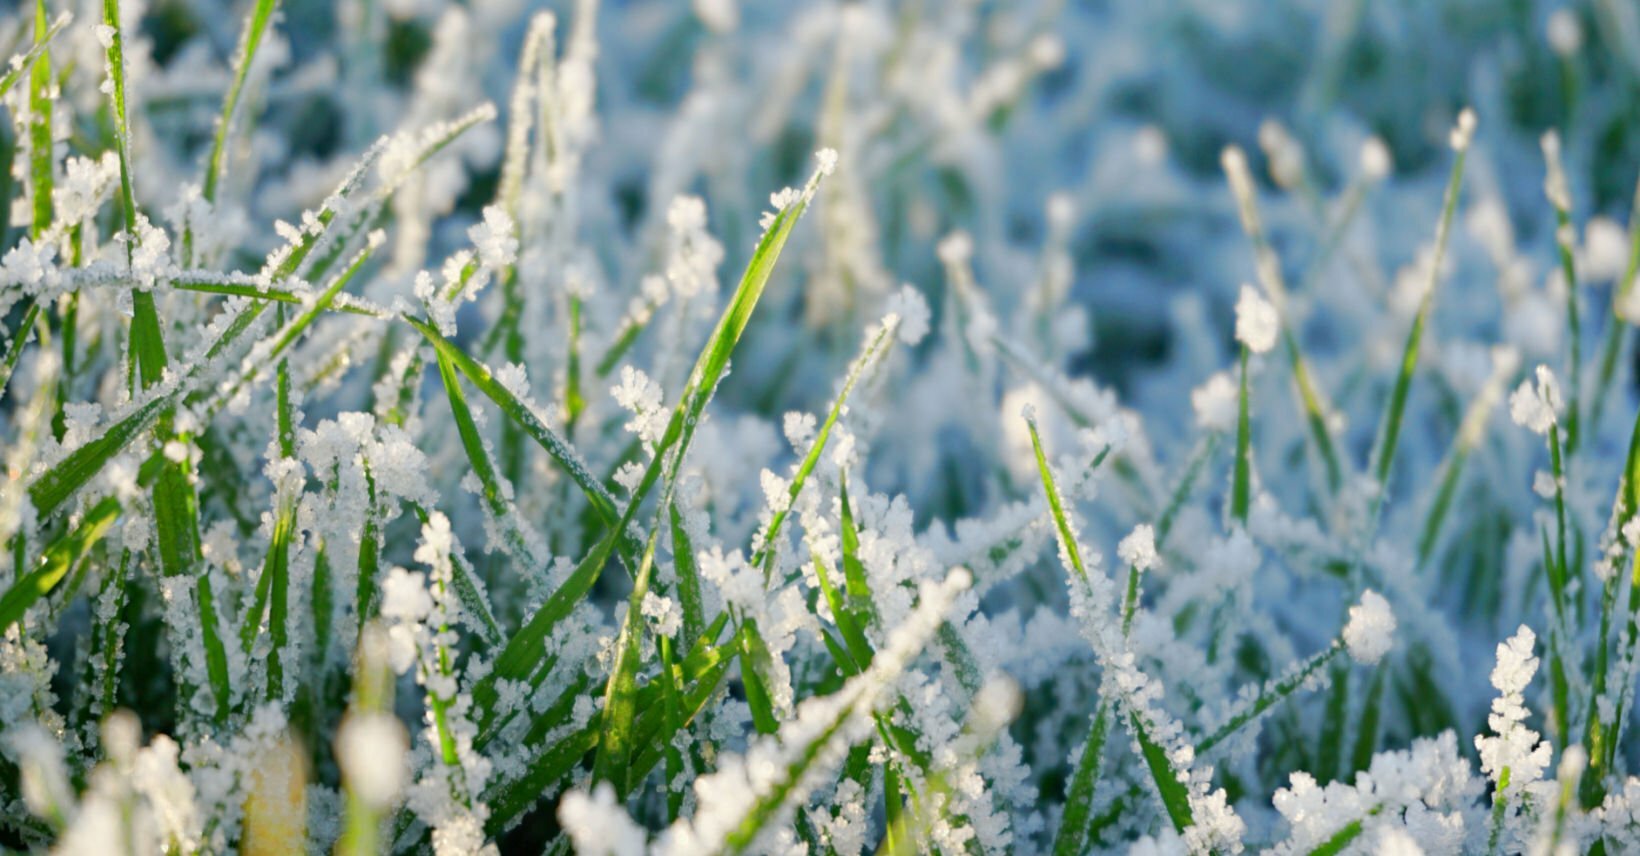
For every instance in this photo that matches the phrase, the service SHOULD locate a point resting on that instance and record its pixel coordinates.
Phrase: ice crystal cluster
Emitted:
(662, 427)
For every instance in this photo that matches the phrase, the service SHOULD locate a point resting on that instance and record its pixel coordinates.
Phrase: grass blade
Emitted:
(59, 558)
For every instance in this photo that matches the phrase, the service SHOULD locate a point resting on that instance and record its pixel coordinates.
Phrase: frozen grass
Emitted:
(466, 510)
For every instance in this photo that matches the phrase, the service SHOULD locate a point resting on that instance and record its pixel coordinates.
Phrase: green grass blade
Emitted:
(1267, 698)
(1071, 839)
(250, 38)
(51, 489)
(688, 574)
(1175, 798)
(874, 349)
(1056, 504)
(42, 148)
(495, 500)
(1390, 432)
(24, 62)
(754, 660)
(14, 347)
(523, 650)
(561, 451)
(1241, 487)
(57, 560)
(855, 582)
(620, 691)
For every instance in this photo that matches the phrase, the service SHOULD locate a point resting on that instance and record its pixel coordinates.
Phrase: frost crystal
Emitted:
(1215, 403)
(1138, 549)
(371, 751)
(1256, 321)
(1535, 404)
(598, 825)
(1370, 632)
(912, 310)
(663, 613)
(1376, 160)
(1514, 747)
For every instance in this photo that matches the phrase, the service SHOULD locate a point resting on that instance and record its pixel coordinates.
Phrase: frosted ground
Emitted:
(934, 426)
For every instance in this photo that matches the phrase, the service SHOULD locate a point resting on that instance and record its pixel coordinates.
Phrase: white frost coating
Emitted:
(908, 304)
(495, 238)
(1564, 32)
(598, 824)
(1257, 324)
(1464, 132)
(642, 397)
(372, 751)
(1215, 403)
(1513, 746)
(1555, 186)
(1138, 549)
(1376, 161)
(662, 613)
(820, 731)
(1370, 631)
(1535, 404)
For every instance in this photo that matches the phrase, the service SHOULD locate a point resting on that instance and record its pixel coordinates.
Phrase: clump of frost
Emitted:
(1370, 632)
(1256, 321)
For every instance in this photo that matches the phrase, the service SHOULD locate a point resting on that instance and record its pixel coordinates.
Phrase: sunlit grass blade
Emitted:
(25, 62)
(1056, 503)
(1616, 324)
(250, 39)
(493, 495)
(560, 450)
(1389, 432)
(57, 560)
(688, 574)
(523, 651)
(615, 745)
(873, 351)
(1268, 266)
(42, 145)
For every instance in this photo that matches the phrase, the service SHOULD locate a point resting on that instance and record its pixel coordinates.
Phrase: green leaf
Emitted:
(53, 487)
(42, 148)
(860, 600)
